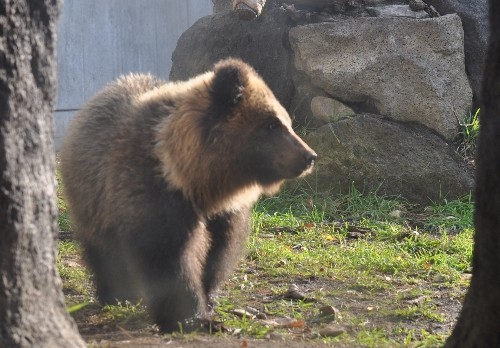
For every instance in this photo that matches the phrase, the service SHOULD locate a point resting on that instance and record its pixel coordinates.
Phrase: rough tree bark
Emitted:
(479, 322)
(32, 309)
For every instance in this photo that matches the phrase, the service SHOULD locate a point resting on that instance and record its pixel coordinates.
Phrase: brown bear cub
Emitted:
(161, 178)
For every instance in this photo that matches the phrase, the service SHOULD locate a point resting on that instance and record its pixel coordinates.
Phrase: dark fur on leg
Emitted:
(228, 233)
(169, 266)
(111, 276)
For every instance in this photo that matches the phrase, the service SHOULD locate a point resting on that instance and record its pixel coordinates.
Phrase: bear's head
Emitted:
(228, 139)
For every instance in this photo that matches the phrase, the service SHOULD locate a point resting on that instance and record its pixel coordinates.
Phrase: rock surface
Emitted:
(387, 157)
(396, 11)
(329, 110)
(261, 43)
(474, 15)
(409, 70)
(340, 5)
(405, 69)
(300, 108)
(332, 331)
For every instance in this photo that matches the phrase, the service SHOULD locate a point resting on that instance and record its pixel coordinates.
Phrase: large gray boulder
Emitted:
(396, 11)
(405, 69)
(339, 6)
(389, 158)
(261, 42)
(474, 15)
(222, 5)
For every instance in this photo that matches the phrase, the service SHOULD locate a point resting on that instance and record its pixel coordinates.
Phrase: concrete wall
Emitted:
(98, 40)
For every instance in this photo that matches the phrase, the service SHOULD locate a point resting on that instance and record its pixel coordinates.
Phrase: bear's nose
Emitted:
(310, 157)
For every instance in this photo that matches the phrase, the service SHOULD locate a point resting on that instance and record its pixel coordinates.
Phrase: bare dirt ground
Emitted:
(360, 308)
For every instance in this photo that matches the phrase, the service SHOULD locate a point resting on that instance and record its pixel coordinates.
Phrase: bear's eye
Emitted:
(273, 125)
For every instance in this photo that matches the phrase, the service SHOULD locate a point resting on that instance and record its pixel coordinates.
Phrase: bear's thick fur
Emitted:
(161, 177)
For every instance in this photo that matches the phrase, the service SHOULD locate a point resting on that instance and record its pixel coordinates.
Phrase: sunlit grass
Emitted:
(356, 245)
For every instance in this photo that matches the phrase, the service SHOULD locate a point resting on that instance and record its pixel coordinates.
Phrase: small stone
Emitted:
(258, 314)
(243, 313)
(417, 300)
(417, 5)
(327, 314)
(293, 293)
(395, 213)
(71, 263)
(274, 336)
(329, 310)
(466, 276)
(329, 110)
(261, 316)
(331, 331)
(281, 323)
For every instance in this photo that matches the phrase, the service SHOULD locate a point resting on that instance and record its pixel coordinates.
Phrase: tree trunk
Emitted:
(32, 308)
(479, 321)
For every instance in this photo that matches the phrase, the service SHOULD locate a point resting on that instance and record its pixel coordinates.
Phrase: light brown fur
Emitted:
(210, 187)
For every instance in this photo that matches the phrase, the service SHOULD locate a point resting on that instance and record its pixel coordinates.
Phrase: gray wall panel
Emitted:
(62, 119)
(98, 40)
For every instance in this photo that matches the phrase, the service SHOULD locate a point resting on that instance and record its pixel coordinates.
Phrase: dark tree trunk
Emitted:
(32, 309)
(479, 321)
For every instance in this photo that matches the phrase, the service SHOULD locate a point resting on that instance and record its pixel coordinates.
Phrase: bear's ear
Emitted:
(229, 82)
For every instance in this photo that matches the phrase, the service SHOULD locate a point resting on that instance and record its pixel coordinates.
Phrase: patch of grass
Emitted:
(245, 326)
(451, 215)
(420, 311)
(423, 338)
(374, 338)
(392, 277)
(126, 314)
(63, 219)
(77, 283)
(77, 307)
(323, 247)
(359, 206)
(389, 255)
(468, 134)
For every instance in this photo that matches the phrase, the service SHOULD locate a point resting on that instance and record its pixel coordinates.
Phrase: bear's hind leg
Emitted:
(111, 277)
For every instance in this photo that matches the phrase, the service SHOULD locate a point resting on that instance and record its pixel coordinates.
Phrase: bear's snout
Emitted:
(305, 156)
(308, 162)
(309, 158)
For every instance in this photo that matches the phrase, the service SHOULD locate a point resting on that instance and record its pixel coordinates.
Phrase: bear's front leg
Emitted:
(169, 261)
(228, 233)
(172, 303)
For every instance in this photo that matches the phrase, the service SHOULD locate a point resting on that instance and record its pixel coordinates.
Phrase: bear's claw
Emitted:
(197, 324)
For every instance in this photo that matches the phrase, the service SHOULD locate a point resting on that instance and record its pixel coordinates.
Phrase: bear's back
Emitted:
(98, 137)
(106, 114)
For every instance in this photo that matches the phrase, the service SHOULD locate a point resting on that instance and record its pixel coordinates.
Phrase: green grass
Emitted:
(76, 278)
(393, 276)
(391, 254)
(454, 215)
(468, 134)
(322, 245)
(63, 217)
